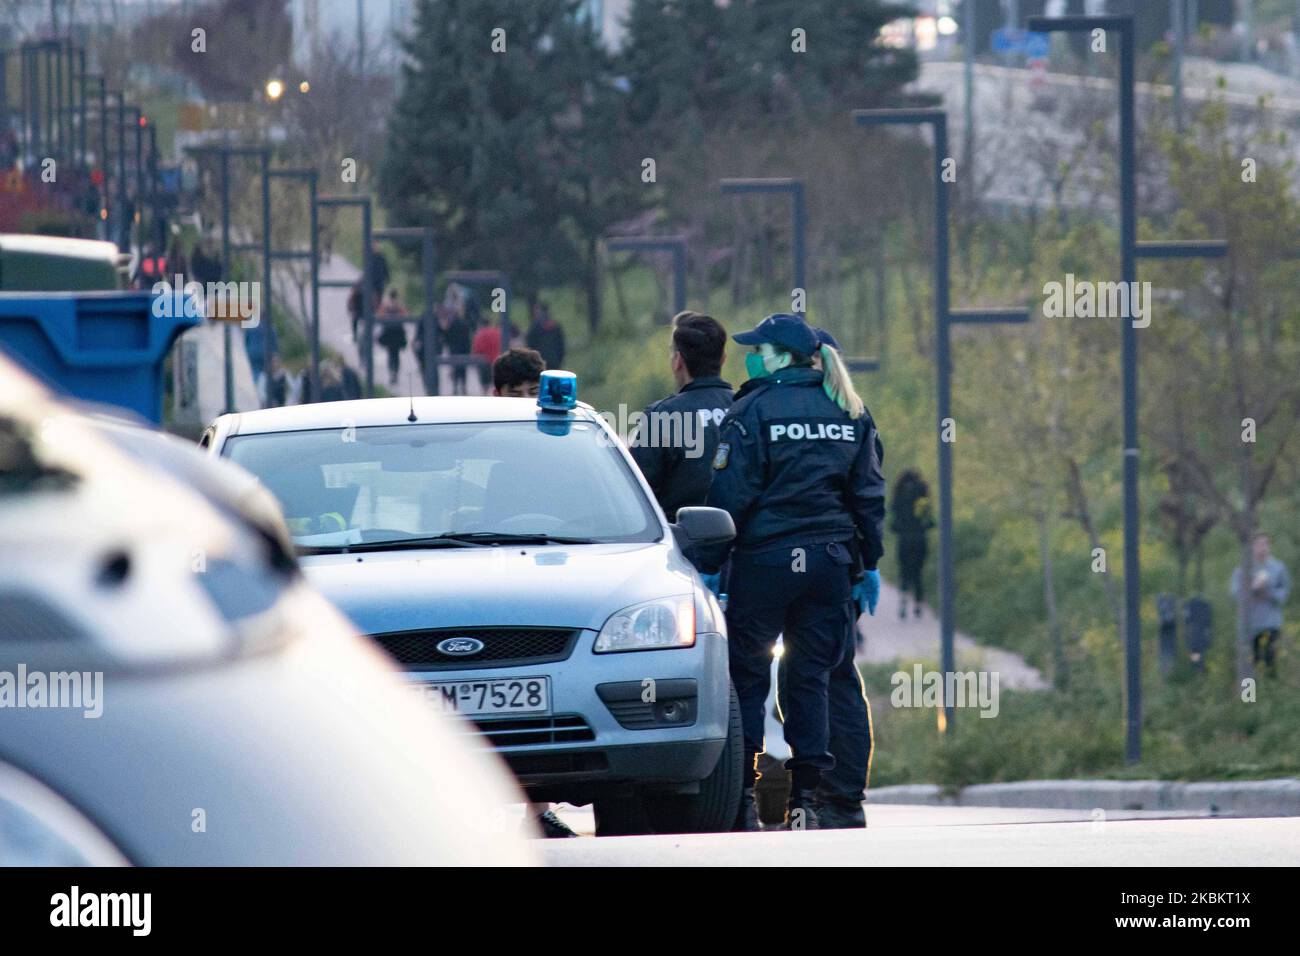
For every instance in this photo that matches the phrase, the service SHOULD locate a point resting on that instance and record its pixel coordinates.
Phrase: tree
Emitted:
(691, 64)
(501, 138)
(1231, 347)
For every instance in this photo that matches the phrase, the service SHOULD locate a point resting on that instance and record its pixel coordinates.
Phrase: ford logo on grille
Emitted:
(460, 646)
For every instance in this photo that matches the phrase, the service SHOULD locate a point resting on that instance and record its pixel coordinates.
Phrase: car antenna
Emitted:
(411, 389)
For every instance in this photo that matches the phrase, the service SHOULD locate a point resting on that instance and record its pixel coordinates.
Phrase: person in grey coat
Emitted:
(1270, 585)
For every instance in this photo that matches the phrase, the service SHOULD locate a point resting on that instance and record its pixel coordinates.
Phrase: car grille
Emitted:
(502, 647)
(527, 731)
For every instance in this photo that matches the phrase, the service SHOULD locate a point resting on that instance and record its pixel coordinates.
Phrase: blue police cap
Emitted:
(825, 338)
(788, 331)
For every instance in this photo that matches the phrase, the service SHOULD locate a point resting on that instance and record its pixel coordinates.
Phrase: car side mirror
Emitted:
(700, 527)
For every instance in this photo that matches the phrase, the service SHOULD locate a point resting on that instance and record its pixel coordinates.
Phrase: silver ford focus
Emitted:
(509, 556)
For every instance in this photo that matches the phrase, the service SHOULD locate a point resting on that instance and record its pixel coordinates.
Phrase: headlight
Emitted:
(667, 622)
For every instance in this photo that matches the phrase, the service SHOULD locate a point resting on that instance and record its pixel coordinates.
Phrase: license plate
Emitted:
(474, 698)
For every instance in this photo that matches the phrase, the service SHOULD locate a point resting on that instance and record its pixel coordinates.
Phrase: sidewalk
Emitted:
(1249, 798)
(889, 639)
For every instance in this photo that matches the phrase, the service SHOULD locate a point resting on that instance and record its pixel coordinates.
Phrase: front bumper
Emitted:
(597, 740)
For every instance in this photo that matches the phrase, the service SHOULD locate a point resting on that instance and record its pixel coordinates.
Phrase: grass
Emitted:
(1196, 727)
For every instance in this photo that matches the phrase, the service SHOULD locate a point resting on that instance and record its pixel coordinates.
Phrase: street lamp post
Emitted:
(674, 244)
(944, 316)
(794, 188)
(1130, 250)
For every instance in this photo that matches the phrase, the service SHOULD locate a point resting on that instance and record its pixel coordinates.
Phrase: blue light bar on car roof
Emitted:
(558, 391)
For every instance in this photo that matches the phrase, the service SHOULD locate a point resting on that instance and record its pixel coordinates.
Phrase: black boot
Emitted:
(747, 815)
(838, 814)
(801, 811)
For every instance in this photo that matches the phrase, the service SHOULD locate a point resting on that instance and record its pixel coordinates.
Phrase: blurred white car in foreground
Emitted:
(172, 693)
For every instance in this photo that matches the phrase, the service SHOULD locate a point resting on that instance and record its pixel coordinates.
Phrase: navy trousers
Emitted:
(804, 594)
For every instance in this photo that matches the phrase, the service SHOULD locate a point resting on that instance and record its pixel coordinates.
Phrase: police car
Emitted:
(509, 555)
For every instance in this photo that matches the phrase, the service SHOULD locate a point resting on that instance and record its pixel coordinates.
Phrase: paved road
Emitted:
(957, 836)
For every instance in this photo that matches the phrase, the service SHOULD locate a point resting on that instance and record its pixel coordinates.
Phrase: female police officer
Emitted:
(798, 469)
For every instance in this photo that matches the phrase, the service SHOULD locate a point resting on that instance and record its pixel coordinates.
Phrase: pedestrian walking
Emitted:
(911, 516)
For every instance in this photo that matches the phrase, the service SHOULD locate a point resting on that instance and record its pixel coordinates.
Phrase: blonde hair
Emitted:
(838, 384)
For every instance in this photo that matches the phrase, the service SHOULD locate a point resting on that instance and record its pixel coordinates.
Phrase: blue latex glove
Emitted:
(713, 582)
(866, 593)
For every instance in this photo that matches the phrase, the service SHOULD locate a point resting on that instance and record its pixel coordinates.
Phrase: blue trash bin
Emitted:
(97, 346)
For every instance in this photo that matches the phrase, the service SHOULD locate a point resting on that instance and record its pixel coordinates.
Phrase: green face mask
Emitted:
(754, 365)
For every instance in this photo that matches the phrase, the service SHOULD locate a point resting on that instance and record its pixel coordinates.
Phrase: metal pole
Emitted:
(505, 334)
(56, 56)
(947, 591)
(47, 101)
(225, 272)
(1128, 274)
(103, 146)
(264, 321)
(361, 43)
(1176, 26)
(155, 199)
(796, 196)
(431, 371)
(81, 72)
(315, 291)
(124, 237)
(679, 278)
(137, 218)
(367, 299)
(968, 51)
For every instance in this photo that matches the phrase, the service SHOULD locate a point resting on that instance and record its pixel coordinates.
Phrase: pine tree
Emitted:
(496, 135)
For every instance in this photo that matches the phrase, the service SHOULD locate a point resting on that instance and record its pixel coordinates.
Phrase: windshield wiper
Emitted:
(507, 537)
(396, 544)
(450, 539)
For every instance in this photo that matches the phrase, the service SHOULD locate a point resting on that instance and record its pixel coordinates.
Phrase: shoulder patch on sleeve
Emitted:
(722, 456)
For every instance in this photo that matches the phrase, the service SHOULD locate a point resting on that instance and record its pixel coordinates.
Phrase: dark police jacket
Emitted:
(675, 442)
(794, 469)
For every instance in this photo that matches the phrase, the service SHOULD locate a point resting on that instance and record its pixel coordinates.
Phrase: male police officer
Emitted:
(797, 467)
(674, 443)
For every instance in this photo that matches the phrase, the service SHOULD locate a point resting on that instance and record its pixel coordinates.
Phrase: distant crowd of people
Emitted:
(462, 332)
(463, 336)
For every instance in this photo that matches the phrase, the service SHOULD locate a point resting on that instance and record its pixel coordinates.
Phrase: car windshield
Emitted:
(477, 481)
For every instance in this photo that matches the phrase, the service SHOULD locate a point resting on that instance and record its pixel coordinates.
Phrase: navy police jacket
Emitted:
(675, 442)
(794, 469)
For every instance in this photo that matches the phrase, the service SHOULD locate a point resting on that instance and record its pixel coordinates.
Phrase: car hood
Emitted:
(548, 586)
